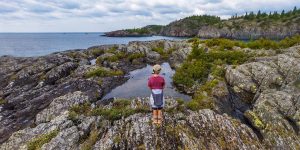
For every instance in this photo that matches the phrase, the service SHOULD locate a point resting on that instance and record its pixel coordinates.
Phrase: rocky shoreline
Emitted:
(53, 102)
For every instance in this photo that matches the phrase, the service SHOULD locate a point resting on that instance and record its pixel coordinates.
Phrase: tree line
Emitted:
(271, 15)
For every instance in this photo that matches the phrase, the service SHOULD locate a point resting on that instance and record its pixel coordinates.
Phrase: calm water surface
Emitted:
(37, 44)
(136, 86)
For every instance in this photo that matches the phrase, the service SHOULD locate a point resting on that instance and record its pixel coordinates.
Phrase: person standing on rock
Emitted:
(156, 83)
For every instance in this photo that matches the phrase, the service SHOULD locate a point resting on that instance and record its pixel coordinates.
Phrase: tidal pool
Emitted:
(136, 85)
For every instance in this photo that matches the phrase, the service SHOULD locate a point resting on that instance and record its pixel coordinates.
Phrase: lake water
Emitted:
(37, 44)
(136, 86)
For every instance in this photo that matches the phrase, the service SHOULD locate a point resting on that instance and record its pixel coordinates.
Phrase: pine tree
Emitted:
(258, 14)
(246, 16)
(295, 9)
(282, 13)
(275, 15)
(251, 15)
(264, 14)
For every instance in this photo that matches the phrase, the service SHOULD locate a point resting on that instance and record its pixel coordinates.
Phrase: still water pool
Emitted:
(136, 86)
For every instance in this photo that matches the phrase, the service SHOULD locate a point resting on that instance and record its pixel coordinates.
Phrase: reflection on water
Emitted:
(136, 86)
(93, 62)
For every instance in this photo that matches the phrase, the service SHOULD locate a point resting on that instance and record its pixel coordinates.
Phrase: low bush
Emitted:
(202, 99)
(224, 43)
(191, 72)
(255, 44)
(200, 63)
(263, 44)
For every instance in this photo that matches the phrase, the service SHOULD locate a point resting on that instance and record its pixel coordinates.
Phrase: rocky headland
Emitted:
(246, 27)
(54, 101)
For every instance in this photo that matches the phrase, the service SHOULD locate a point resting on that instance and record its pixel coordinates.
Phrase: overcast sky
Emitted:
(106, 15)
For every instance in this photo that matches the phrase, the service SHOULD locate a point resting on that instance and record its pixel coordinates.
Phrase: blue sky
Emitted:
(107, 15)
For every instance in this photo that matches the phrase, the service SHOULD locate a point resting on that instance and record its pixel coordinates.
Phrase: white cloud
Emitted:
(105, 15)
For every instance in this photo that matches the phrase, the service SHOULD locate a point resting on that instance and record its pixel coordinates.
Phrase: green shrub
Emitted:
(200, 63)
(38, 142)
(263, 43)
(224, 43)
(256, 44)
(218, 71)
(102, 72)
(290, 41)
(2, 101)
(202, 98)
(229, 57)
(191, 72)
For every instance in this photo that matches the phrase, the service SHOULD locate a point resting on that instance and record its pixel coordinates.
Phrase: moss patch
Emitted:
(120, 108)
(38, 142)
(255, 120)
(2, 101)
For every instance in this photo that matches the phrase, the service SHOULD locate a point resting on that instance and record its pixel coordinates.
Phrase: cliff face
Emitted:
(245, 30)
(53, 102)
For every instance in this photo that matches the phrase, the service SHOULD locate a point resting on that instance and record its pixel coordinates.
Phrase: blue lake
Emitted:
(38, 44)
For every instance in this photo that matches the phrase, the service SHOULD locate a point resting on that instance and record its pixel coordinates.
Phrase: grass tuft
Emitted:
(37, 143)
(102, 72)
